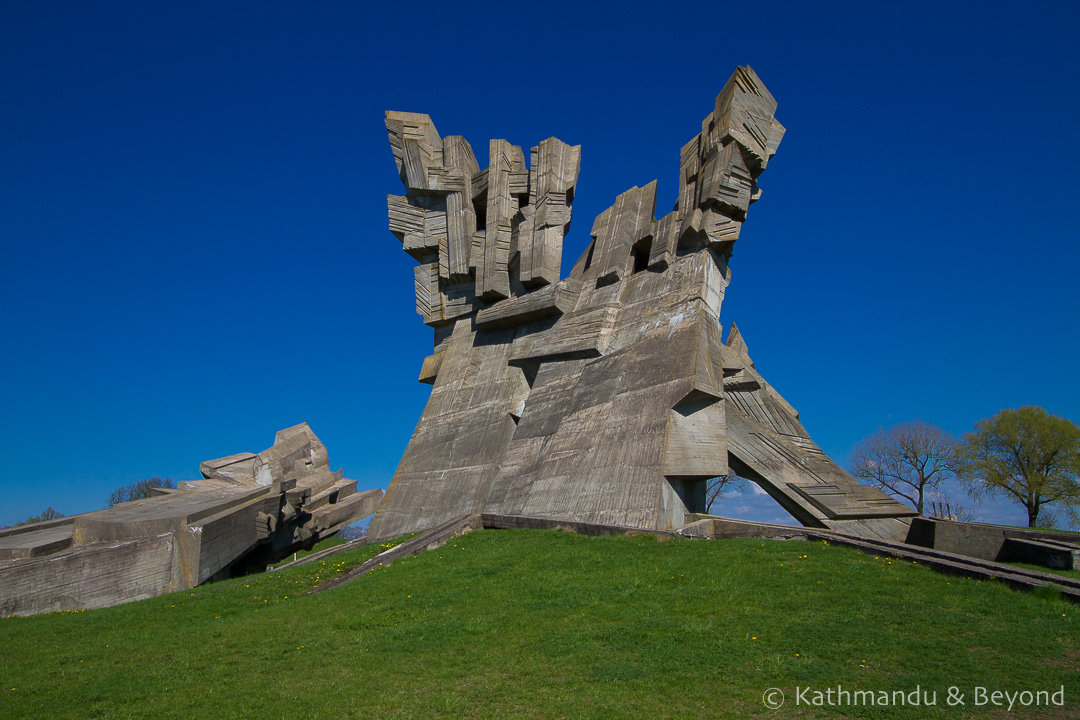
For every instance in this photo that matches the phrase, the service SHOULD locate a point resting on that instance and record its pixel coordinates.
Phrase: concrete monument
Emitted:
(606, 396)
(250, 510)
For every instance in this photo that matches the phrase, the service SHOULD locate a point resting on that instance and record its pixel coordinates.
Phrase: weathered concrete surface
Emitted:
(36, 539)
(997, 542)
(249, 511)
(94, 576)
(608, 396)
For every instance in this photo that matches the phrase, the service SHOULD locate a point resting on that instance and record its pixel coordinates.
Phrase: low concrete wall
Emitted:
(1049, 554)
(972, 539)
(999, 543)
(92, 577)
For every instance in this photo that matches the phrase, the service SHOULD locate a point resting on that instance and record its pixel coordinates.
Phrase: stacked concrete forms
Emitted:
(607, 396)
(249, 511)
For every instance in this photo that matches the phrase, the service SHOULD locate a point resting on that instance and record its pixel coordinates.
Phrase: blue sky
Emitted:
(193, 221)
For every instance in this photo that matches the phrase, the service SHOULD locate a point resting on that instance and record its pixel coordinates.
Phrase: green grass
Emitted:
(545, 624)
(321, 545)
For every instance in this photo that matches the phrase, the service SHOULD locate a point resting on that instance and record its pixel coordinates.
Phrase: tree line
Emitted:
(124, 493)
(1027, 456)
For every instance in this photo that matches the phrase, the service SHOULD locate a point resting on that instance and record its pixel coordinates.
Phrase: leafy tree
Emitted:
(906, 460)
(1026, 455)
(49, 513)
(139, 490)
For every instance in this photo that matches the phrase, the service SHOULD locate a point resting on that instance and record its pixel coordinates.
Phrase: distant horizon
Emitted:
(749, 501)
(193, 215)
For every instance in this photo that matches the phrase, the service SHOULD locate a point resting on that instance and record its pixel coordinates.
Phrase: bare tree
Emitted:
(906, 460)
(718, 486)
(352, 532)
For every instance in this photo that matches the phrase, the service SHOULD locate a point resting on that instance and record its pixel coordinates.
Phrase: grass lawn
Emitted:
(547, 624)
(321, 545)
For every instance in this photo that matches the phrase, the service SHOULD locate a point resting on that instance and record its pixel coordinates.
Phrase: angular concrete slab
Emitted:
(250, 510)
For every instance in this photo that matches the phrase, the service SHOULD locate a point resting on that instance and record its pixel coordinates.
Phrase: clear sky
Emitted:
(194, 243)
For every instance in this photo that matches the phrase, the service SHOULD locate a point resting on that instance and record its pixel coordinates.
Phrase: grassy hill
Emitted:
(546, 624)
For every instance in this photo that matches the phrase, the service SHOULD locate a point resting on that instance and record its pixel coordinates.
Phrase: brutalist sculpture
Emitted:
(606, 396)
(249, 511)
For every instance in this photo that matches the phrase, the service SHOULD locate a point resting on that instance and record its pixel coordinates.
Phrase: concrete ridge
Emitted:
(428, 540)
(322, 554)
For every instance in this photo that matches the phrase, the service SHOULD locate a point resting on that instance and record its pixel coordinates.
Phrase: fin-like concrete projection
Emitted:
(606, 396)
(250, 510)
